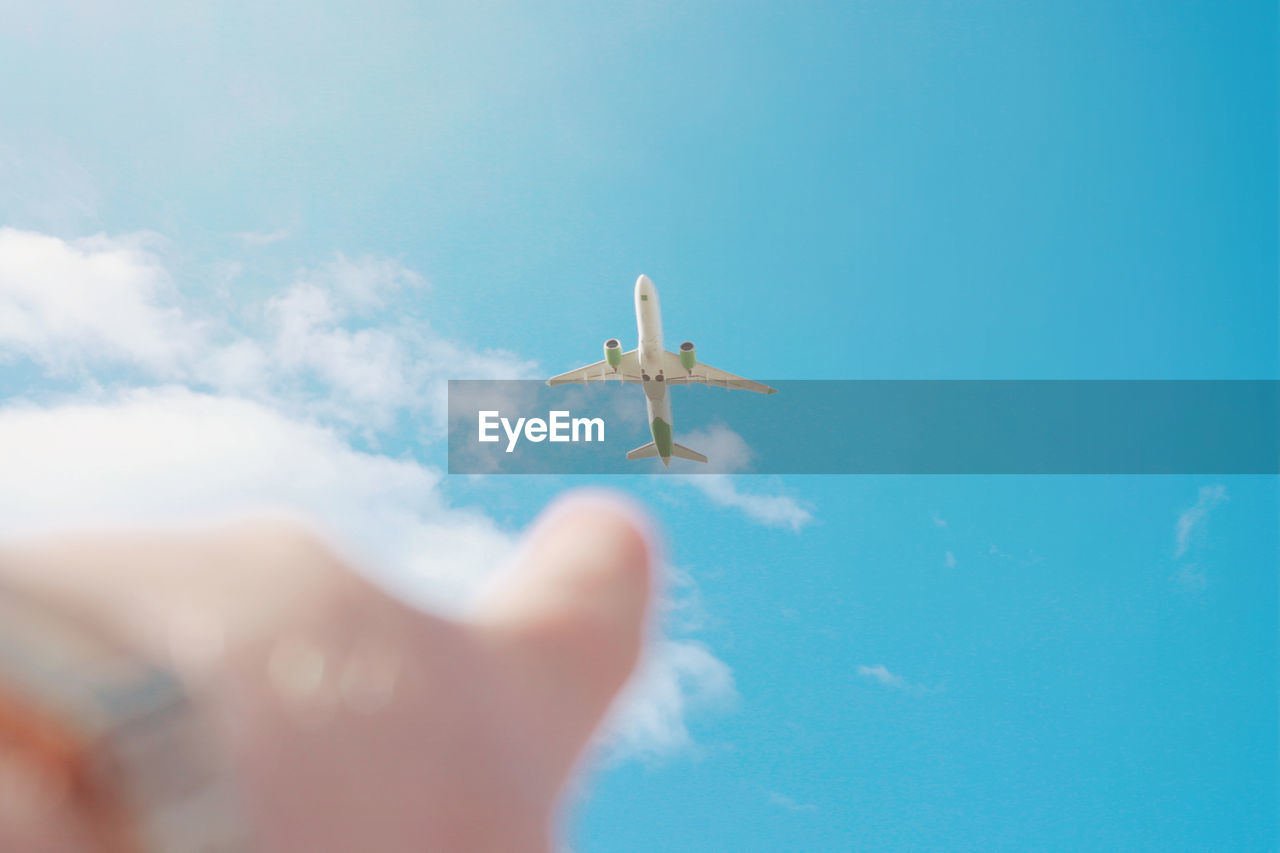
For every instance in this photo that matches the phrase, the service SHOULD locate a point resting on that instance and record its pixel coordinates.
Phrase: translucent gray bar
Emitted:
(890, 427)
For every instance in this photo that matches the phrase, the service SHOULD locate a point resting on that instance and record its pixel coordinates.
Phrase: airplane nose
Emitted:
(643, 283)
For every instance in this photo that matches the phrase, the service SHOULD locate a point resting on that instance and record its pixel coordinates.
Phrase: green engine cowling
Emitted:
(613, 352)
(688, 355)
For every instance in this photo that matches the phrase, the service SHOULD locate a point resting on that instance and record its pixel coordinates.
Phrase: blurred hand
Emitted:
(356, 722)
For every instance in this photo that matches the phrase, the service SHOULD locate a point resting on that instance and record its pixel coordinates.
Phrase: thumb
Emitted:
(567, 621)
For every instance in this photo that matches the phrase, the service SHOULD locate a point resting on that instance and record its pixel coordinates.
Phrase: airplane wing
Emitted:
(705, 374)
(626, 371)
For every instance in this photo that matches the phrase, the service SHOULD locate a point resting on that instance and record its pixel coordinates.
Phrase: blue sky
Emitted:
(309, 216)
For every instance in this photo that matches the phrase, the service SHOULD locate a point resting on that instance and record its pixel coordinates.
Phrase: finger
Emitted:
(567, 621)
(158, 588)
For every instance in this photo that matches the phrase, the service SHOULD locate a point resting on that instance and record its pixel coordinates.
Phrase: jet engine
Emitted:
(688, 355)
(613, 352)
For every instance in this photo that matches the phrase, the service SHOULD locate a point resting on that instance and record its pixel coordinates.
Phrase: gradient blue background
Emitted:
(819, 190)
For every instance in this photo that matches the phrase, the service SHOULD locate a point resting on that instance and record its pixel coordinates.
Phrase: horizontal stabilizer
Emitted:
(681, 452)
(643, 452)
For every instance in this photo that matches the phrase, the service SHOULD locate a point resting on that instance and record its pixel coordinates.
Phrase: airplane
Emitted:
(654, 368)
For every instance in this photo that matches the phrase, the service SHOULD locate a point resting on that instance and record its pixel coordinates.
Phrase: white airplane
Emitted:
(654, 368)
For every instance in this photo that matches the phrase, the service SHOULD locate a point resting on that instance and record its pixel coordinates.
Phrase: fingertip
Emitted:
(581, 584)
(614, 514)
(617, 525)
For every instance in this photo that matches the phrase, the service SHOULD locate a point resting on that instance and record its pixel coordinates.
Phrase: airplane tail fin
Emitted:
(677, 450)
(682, 452)
(644, 451)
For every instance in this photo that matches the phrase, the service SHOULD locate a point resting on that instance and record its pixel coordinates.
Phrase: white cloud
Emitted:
(364, 371)
(939, 521)
(1192, 521)
(770, 510)
(881, 673)
(680, 604)
(728, 452)
(675, 680)
(328, 346)
(242, 365)
(172, 455)
(1191, 578)
(363, 283)
(70, 305)
(950, 560)
(786, 803)
(331, 327)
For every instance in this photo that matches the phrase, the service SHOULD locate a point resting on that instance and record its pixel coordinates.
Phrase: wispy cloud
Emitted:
(263, 238)
(772, 510)
(728, 452)
(1031, 559)
(949, 560)
(1191, 577)
(879, 672)
(681, 607)
(1192, 521)
(786, 803)
(939, 521)
(675, 680)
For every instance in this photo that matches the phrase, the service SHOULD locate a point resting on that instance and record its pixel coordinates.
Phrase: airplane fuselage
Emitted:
(657, 401)
(654, 369)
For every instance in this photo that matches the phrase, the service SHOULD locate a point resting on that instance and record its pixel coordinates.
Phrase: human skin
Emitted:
(353, 721)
